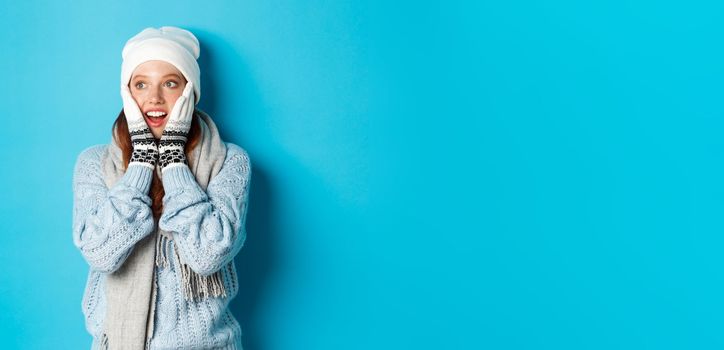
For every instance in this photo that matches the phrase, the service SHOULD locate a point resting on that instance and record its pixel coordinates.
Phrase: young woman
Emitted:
(159, 213)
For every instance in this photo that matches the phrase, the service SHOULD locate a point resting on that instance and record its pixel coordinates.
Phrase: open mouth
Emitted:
(156, 114)
(155, 119)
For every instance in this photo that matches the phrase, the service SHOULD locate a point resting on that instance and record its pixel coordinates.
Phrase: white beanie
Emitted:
(171, 44)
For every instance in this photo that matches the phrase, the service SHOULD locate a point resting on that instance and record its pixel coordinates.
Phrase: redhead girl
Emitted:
(159, 212)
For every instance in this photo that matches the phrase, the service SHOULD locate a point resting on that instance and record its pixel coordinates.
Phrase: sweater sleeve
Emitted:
(208, 226)
(108, 222)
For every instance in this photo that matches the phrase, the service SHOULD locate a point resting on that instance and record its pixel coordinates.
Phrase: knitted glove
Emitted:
(145, 151)
(173, 139)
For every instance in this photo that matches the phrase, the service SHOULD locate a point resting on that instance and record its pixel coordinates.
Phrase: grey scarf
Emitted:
(131, 290)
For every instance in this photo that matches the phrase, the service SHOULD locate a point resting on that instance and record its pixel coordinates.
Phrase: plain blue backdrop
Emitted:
(426, 174)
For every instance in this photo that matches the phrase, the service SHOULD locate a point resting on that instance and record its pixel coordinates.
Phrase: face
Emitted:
(156, 85)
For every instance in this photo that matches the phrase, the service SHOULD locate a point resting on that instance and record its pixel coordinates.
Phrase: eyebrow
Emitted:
(145, 76)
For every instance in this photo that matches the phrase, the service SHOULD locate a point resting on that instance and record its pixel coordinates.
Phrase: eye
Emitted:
(139, 85)
(171, 83)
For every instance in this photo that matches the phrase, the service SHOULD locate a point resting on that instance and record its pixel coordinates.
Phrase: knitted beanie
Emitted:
(171, 44)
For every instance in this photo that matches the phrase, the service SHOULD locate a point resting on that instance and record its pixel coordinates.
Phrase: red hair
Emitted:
(123, 139)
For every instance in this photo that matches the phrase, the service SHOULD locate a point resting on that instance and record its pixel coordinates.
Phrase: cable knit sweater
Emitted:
(208, 228)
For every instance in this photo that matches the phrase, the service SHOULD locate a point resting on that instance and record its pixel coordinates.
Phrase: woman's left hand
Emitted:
(173, 139)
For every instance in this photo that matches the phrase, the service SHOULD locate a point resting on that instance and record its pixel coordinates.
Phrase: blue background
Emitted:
(426, 175)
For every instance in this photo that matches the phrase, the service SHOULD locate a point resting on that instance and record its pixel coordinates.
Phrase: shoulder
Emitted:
(89, 161)
(236, 156)
(235, 173)
(92, 153)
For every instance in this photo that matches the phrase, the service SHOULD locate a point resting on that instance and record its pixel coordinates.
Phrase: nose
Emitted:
(155, 96)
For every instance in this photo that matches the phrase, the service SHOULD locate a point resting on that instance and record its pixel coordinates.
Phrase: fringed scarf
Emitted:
(131, 290)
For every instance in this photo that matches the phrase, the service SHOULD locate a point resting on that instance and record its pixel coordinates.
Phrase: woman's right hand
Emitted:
(145, 150)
